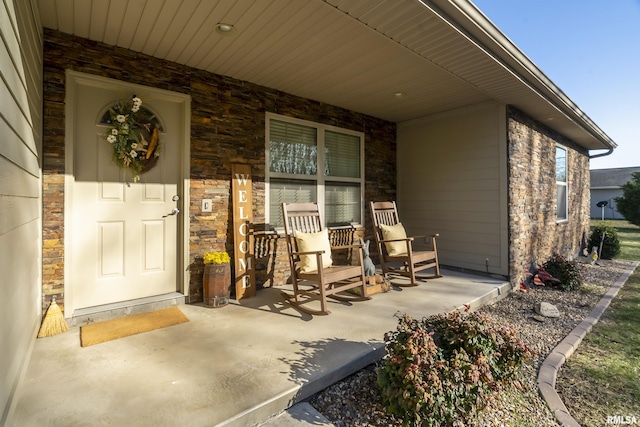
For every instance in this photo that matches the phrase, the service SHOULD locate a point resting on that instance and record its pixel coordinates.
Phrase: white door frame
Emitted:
(75, 79)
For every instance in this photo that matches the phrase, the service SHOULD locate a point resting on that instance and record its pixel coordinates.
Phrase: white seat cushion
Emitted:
(310, 242)
(392, 232)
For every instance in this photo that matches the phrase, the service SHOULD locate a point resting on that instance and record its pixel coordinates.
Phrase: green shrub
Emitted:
(629, 204)
(611, 244)
(566, 271)
(441, 370)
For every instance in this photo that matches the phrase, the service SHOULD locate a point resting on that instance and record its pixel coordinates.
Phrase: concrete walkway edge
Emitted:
(549, 370)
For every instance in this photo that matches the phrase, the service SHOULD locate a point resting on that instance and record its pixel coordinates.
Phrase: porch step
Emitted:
(125, 308)
(492, 297)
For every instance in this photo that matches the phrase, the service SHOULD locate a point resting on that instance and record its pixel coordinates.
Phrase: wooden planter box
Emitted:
(376, 284)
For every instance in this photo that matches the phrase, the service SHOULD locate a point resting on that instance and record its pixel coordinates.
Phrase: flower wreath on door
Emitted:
(133, 136)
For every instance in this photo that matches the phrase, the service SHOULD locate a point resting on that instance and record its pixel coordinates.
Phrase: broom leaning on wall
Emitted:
(53, 323)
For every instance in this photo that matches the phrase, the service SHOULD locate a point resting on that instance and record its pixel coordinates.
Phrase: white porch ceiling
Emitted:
(442, 54)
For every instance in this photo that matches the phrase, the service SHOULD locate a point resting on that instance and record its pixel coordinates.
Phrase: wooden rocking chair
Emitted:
(395, 247)
(313, 275)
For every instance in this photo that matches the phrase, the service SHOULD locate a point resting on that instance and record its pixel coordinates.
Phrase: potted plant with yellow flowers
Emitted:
(216, 281)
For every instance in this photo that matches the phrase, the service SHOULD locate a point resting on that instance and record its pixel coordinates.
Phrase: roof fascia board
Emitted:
(470, 22)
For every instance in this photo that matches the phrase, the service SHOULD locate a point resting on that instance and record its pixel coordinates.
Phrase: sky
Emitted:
(590, 50)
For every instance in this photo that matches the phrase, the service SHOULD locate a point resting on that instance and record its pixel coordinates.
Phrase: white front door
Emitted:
(123, 245)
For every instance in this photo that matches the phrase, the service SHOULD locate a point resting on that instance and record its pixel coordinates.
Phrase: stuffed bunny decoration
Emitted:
(369, 268)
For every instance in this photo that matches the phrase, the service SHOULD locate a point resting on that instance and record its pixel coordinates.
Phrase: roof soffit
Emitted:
(352, 53)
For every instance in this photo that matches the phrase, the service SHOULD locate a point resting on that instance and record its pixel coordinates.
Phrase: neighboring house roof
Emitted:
(393, 59)
(611, 178)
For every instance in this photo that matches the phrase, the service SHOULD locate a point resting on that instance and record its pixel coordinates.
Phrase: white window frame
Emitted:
(564, 184)
(320, 178)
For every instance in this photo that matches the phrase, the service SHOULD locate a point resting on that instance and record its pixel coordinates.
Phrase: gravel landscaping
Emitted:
(355, 401)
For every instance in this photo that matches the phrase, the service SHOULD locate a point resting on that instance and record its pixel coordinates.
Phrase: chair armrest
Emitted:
(346, 247)
(406, 239)
(425, 237)
(308, 253)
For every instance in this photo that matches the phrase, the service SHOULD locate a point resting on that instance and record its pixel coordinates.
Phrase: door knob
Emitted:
(174, 211)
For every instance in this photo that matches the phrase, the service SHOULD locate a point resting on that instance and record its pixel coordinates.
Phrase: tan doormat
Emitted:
(96, 333)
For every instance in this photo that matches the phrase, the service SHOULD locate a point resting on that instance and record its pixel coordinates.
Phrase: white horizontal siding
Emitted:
(608, 195)
(20, 190)
(452, 181)
(15, 182)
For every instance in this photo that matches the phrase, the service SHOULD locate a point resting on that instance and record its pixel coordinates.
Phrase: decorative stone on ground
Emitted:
(547, 310)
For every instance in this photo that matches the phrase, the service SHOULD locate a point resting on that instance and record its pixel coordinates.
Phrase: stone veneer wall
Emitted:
(534, 233)
(227, 126)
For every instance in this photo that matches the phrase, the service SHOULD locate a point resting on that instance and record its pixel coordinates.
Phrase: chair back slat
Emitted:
(302, 217)
(384, 213)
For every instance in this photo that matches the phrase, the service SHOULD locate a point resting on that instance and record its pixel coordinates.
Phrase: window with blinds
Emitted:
(342, 155)
(282, 190)
(342, 203)
(293, 149)
(311, 162)
(561, 184)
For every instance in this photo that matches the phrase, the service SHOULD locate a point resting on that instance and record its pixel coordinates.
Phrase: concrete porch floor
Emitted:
(232, 366)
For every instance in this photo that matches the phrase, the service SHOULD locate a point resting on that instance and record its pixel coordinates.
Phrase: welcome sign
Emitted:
(245, 279)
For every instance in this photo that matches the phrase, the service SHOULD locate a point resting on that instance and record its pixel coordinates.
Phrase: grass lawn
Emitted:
(629, 235)
(607, 363)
